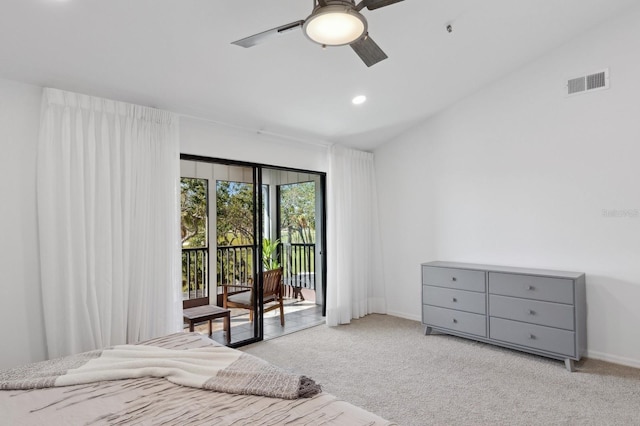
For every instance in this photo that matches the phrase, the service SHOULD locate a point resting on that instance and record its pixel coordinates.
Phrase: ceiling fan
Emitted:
(333, 23)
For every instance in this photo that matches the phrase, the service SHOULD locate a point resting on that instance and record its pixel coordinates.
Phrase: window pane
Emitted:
(193, 197)
(194, 224)
(298, 213)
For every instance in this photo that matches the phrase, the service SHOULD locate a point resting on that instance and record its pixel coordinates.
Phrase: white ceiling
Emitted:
(176, 55)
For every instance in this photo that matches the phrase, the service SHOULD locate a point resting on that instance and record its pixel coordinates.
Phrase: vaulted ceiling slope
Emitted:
(177, 55)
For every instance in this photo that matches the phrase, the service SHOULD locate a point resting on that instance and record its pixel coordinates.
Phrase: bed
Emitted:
(157, 400)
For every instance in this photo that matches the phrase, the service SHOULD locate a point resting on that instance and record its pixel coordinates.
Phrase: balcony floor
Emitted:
(298, 315)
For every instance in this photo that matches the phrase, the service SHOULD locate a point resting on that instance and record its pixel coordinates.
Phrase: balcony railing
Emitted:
(299, 265)
(234, 265)
(195, 275)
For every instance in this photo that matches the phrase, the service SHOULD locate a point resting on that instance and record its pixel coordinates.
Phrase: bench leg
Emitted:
(227, 328)
(191, 326)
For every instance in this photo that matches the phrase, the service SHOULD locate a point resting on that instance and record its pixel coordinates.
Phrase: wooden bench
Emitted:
(203, 313)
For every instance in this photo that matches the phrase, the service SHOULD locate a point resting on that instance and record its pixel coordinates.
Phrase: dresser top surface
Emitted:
(506, 269)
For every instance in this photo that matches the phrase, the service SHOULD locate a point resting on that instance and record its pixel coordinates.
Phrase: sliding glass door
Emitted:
(299, 228)
(238, 236)
(252, 219)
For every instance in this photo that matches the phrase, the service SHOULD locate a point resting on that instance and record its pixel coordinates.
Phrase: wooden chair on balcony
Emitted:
(272, 295)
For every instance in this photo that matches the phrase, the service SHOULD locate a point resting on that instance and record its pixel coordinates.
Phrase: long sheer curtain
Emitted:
(108, 215)
(355, 285)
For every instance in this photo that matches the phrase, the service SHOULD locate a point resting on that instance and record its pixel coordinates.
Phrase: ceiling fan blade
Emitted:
(375, 4)
(265, 35)
(368, 50)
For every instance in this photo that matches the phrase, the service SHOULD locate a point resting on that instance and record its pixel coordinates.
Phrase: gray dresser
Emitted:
(532, 310)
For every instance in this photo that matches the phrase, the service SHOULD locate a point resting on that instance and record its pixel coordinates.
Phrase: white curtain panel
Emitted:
(355, 285)
(108, 214)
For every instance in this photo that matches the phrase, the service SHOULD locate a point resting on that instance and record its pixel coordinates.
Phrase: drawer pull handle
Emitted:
(530, 287)
(532, 312)
(454, 279)
(454, 299)
(532, 337)
(455, 321)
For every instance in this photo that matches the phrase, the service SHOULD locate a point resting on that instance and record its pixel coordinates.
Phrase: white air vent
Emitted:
(587, 83)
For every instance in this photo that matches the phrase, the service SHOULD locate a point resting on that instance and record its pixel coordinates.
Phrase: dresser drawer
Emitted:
(533, 336)
(463, 322)
(469, 301)
(462, 279)
(542, 313)
(532, 287)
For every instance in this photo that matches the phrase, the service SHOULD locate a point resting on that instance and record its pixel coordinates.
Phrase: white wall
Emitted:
(209, 139)
(21, 320)
(519, 174)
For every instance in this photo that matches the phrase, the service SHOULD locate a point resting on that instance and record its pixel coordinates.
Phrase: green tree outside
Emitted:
(193, 212)
(234, 218)
(298, 213)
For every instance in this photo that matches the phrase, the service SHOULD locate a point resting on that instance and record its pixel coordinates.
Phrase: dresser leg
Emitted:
(427, 330)
(570, 364)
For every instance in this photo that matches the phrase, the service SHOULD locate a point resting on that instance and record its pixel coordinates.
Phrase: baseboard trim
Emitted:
(629, 362)
(405, 316)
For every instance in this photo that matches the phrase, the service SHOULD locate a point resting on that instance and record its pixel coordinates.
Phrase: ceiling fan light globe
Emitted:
(335, 26)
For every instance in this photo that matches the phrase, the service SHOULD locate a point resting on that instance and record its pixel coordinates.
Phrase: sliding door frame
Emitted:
(259, 232)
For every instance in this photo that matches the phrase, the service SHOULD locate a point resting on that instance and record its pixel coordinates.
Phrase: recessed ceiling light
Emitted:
(358, 100)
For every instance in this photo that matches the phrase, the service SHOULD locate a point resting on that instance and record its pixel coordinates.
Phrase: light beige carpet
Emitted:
(388, 366)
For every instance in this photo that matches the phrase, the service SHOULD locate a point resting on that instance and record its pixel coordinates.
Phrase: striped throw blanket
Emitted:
(215, 368)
